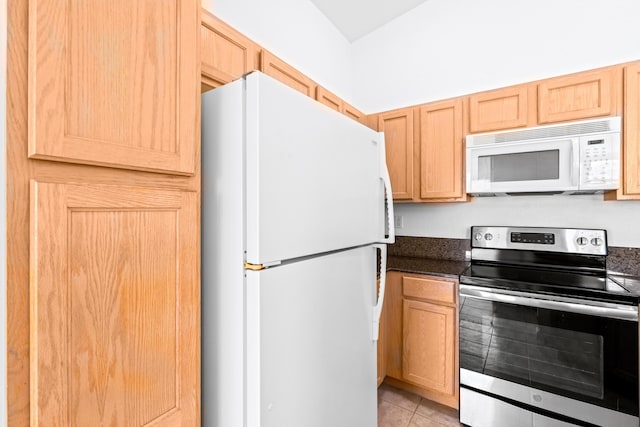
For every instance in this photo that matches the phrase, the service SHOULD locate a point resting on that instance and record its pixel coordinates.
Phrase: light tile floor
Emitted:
(399, 408)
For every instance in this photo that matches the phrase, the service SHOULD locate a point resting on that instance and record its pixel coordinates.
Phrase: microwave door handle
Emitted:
(575, 163)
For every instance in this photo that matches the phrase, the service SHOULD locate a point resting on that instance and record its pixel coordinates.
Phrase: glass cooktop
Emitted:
(590, 285)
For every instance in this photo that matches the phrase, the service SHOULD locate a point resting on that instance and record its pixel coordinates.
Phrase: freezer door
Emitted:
(310, 358)
(314, 177)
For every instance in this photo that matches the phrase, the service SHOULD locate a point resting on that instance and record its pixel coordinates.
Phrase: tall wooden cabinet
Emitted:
(631, 132)
(441, 151)
(397, 126)
(103, 185)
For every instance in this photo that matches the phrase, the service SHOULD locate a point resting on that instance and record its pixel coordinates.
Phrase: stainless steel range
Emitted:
(546, 337)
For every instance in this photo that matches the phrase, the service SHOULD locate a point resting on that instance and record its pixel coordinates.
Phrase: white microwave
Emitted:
(570, 158)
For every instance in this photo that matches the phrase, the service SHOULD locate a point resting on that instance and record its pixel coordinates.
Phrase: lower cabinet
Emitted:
(421, 343)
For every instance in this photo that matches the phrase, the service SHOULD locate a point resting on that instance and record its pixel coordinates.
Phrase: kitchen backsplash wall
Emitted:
(429, 247)
(453, 220)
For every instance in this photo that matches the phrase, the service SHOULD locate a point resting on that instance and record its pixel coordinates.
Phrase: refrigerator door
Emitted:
(310, 358)
(314, 177)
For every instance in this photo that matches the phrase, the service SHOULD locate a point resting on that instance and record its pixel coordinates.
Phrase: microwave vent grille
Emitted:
(573, 129)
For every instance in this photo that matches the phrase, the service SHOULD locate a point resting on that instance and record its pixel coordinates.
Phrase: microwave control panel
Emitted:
(599, 161)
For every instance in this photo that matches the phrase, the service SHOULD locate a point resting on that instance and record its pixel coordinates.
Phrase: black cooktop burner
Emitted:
(577, 284)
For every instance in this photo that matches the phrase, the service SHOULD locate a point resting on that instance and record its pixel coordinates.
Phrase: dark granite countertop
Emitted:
(429, 266)
(630, 283)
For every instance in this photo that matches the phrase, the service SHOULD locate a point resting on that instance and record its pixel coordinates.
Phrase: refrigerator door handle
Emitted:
(388, 194)
(377, 309)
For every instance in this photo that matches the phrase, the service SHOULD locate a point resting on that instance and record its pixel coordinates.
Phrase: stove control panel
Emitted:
(566, 240)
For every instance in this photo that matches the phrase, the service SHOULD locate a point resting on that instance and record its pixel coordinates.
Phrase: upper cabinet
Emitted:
(95, 91)
(353, 112)
(630, 167)
(399, 140)
(277, 68)
(226, 54)
(441, 151)
(325, 97)
(577, 96)
(499, 109)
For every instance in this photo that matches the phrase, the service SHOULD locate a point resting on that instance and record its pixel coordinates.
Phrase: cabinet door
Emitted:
(498, 109)
(441, 150)
(577, 96)
(277, 68)
(327, 98)
(115, 83)
(398, 135)
(631, 139)
(115, 306)
(226, 54)
(351, 111)
(428, 345)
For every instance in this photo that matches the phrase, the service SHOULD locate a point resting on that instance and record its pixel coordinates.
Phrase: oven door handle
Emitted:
(592, 308)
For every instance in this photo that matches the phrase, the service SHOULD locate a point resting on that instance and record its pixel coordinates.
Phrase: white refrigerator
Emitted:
(296, 211)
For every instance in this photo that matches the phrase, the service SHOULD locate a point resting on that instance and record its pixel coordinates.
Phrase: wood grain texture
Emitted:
(226, 53)
(440, 291)
(280, 70)
(631, 132)
(428, 345)
(397, 126)
(114, 306)
(441, 150)
(577, 96)
(498, 109)
(393, 329)
(114, 83)
(20, 170)
(351, 111)
(329, 99)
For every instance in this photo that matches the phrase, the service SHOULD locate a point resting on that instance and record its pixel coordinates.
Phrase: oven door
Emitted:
(551, 356)
(541, 166)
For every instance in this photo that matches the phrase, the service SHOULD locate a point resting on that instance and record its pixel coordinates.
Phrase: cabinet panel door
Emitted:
(441, 150)
(278, 69)
(428, 345)
(578, 96)
(114, 306)
(327, 98)
(226, 54)
(631, 140)
(398, 134)
(351, 111)
(115, 83)
(498, 109)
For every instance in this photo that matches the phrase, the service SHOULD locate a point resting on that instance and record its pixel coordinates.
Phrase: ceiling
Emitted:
(356, 18)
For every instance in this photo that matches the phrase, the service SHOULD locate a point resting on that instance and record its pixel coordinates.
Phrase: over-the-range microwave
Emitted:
(569, 158)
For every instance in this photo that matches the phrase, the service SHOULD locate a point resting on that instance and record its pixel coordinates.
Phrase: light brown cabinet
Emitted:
(280, 70)
(499, 109)
(421, 335)
(327, 98)
(103, 272)
(114, 321)
(226, 54)
(441, 151)
(630, 166)
(577, 96)
(115, 84)
(397, 126)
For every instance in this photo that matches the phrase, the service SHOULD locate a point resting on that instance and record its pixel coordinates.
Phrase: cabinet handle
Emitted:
(377, 309)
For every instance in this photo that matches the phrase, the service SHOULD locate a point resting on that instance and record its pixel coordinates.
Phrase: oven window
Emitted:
(588, 358)
(529, 166)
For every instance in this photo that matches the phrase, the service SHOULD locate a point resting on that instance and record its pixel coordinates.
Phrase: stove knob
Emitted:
(582, 241)
(488, 236)
(596, 241)
(478, 236)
